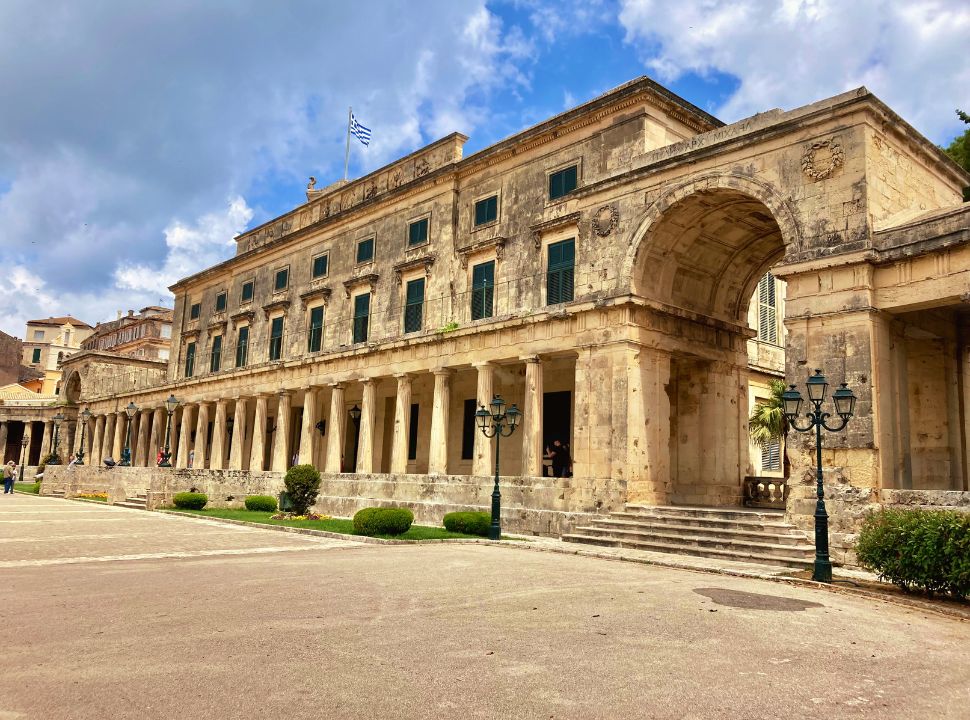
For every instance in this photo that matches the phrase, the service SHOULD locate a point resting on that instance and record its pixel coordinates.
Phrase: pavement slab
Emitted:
(174, 617)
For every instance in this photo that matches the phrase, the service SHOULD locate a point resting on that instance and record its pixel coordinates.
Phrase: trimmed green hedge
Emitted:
(261, 503)
(923, 549)
(302, 485)
(190, 500)
(470, 523)
(383, 521)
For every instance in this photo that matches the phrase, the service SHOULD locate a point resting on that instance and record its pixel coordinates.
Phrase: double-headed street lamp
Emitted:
(58, 419)
(85, 416)
(126, 453)
(170, 406)
(24, 442)
(498, 423)
(844, 402)
(355, 417)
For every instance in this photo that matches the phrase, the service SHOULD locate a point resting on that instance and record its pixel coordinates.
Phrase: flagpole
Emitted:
(350, 113)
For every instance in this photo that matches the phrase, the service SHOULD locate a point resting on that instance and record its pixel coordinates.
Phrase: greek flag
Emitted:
(359, 131)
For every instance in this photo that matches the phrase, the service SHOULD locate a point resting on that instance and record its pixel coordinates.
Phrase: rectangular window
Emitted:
(38, 334)
(486, 210)
(282, 279)
(195, 311)
(414, 305)
(242, 346)
(562, 182)
(483, 290)
(35, 358)
(767, 310)
(468, 430)
(221, 302)
(247, 291)
(321, 266)
(189, 359)
(276, 338)
(559, 275)
(413, 433)
(365, 250)
(361, 316)
(215, 358)
(771, 455)
(418, 232)
(315, 334)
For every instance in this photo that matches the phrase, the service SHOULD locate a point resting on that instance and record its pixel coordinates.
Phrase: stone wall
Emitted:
(118, 482)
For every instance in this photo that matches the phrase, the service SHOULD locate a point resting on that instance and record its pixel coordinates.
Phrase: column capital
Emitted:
(530, 358)
(483, 364)
(443, 371)
(368, 381)
(337, 385)
(284, 392)
(404, 376)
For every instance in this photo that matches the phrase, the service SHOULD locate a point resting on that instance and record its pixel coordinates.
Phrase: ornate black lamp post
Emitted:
(85, 416)
(126, 453)
(58, 419)
(25, 441)
(498, 423)
(170, 406)
(355, 416)
(844, 402)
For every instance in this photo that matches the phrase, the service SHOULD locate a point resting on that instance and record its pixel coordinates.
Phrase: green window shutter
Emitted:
(563, 182)
(559, 275)
(414, 305)
(276, 339)
(242, 346)
(215, 358)
(36, 356)
(220, 302)
(195, 311)
(483, 290)
(189, 359)
(771, 456)
(320, 265)
(315, 336)
(361, 316)
(418, 232)
(486, 210)
(282, 279)
(365, 250)
(247, 291)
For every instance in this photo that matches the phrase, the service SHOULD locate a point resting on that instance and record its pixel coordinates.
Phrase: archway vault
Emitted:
(704, 244)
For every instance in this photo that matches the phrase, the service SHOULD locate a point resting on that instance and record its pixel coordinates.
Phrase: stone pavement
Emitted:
(112, 613)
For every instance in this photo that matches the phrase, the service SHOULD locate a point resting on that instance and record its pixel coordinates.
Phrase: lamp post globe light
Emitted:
(170, 406)
(25, 441)
(844, 401)
(56, 453)
(85, 416)
(126, 453)
(498, 423)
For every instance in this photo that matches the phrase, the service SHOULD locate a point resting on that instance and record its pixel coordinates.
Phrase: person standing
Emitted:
(8, 475)
(560, 459)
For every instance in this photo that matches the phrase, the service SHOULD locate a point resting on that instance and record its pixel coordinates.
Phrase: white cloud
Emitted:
(912, 55)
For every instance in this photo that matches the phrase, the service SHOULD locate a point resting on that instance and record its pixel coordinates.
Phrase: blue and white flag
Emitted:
(359, 131)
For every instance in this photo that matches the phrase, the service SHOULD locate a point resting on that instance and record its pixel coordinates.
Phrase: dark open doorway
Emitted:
(557, 419)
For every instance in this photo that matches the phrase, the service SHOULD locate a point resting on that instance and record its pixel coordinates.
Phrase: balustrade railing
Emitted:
(765, 492)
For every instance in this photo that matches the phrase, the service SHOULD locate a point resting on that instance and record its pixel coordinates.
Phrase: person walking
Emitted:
(8, 475)
(560, 458)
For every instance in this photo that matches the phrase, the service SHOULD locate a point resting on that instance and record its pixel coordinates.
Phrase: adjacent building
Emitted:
(47, 342)
(146, 335)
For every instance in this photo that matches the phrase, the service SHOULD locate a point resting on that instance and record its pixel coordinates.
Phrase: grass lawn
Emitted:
(33, 488)
(336, 525)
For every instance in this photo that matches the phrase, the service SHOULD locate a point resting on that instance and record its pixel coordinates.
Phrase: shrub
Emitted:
(383, 521)
(470, 523)
(302, 484)
(190, 500)
(262, 503)
(923, 549)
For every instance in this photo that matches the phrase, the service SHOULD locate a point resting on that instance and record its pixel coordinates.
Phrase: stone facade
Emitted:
(47, 342)
(597, 270)
(146, 335)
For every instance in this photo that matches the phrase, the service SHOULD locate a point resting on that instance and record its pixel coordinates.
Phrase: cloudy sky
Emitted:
(136, 139)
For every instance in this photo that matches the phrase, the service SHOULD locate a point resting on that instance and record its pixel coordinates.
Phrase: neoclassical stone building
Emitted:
(597, 270)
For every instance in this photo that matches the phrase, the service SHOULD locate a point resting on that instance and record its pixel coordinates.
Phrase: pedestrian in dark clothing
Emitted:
(561, 461)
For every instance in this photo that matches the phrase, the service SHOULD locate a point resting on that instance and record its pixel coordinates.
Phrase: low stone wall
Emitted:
(927, 499)
(225, 488)
(118, 482)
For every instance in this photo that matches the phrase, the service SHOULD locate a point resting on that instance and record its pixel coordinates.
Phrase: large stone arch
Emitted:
(72, 388)
(703, 244)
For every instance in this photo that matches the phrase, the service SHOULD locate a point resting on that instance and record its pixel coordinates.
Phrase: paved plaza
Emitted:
(114, 613)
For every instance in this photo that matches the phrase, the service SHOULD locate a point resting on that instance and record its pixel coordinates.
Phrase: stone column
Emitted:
(142, 453)
(217, 461)
(257, 454)
(173, 446)
(648, 426)
(95, 457)
(185, 437)
(76, 440)
(483, 460)
(307, 436)
(238, 435)
(201, 441)
(3, 442)
(532, 418)
(336, 427)
(402, 422)
(107, 439)
(438, 457)
(121, 425)
(45, 448)
(156, 438)
(281, 442)
(368, 418)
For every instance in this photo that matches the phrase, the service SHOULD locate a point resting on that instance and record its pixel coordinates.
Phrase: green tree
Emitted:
(767, 422)
(959, 150)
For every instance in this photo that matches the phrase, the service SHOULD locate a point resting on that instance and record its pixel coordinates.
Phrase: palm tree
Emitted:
(767, 423)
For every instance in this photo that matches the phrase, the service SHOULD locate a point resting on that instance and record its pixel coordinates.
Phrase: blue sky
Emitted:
(137, 139)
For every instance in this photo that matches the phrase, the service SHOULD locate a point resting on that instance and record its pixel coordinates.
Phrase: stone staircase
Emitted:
(138, 502)
(757, 536)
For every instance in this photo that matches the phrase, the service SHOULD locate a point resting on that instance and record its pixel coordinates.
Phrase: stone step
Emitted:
(711, 513)
(678, 549)
(700, 541)
(139, 502)
(707, 522)
(784, 536)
